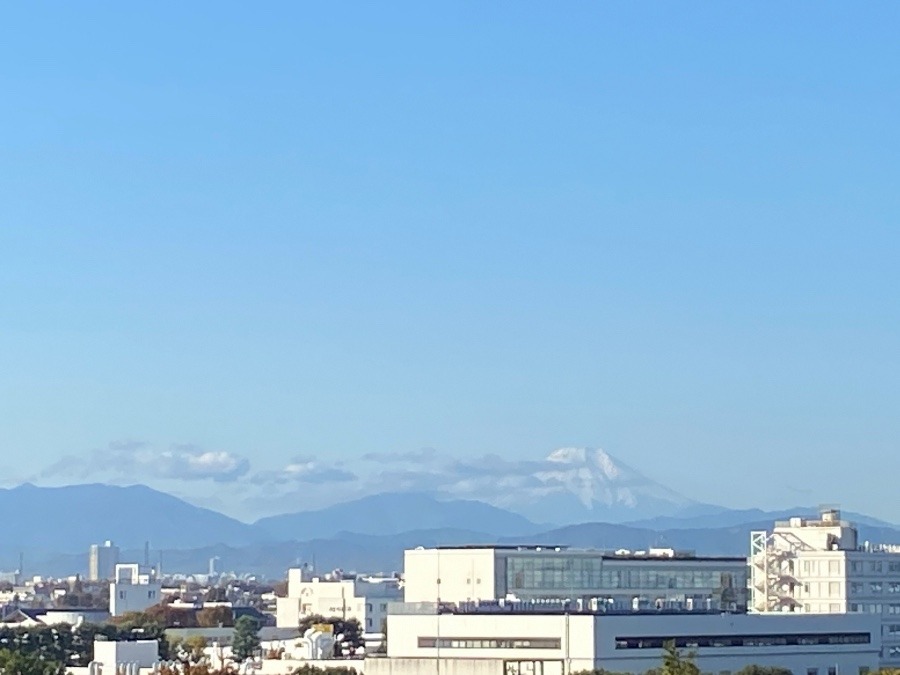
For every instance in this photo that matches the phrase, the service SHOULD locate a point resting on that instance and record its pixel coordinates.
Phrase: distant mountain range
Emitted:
(595, 501)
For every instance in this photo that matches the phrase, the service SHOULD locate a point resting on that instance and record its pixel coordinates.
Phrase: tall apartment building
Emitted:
(818, 566)
(134, 588)
(365, 599)
(102, 561)
(622, 580)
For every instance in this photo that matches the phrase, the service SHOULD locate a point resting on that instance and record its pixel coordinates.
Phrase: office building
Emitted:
(653, 579)
(517, 639)
(818, 566)
(102, 561)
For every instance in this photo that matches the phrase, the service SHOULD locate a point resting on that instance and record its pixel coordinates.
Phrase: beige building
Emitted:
(818, 566)
(365, 599)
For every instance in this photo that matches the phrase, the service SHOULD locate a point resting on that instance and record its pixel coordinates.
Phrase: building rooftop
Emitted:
(655, 554)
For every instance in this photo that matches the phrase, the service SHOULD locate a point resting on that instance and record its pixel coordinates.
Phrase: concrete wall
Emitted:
(414, 666)
(845, 658)
(453, 575)
(574, 635)
(595, 641)
(145, 653)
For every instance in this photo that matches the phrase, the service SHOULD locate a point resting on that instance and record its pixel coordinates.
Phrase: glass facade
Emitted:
(571, 576)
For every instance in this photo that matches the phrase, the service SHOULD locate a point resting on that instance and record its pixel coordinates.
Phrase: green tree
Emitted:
(676, 663)
(315, 670)
(246, 638)
(17, 662)
(753, 669)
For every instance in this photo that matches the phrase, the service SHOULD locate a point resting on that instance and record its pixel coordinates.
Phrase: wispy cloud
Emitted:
(305, 470)
(137, 460)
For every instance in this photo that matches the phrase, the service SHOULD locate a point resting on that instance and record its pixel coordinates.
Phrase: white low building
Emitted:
(500, 642)
(133, 589)
(365, 599)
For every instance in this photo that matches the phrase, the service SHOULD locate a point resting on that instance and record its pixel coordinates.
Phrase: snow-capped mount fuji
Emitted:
(576, 485)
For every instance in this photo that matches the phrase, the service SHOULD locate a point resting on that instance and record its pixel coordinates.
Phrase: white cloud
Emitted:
(139, 461)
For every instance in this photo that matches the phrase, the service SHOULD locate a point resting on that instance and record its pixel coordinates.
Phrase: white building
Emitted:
(498, 642)
(133, 589)
(365, 599)
(102, 561)
(111, 654)
(657, 578)
(817, 566)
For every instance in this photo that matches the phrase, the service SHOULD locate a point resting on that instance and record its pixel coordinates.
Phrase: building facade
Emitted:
(542, 643)
(817, 566)
(365, 599)
(655, 579)
(102, 561)
(134, 588)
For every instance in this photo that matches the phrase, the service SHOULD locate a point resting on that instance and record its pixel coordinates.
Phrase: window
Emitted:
(761, 640)
(856, 566)
(368, 623)
(812, 671)
(875, 566)
(894, 567)
(876, 587)
(368, 606)
(383, 607)
(488, 643)
(121, 595)
(834, 567)
(856, 587)
(832, 670)
(834, 588)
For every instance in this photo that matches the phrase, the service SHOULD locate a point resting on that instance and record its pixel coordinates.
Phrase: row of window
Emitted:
(720, 641)
(488, 643)
(875, 587)
(874, 566)
(874, 608)
(561, 573)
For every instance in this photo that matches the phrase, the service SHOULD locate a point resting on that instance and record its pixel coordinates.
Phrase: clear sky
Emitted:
(239, 237)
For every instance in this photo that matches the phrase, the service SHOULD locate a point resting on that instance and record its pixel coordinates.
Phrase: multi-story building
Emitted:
(817, 566)
(528, 639)
(102, 561)
(134, 588)
(653, 579)
(365, 599)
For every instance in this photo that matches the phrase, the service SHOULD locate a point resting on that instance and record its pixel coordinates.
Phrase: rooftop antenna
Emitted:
(146, 554)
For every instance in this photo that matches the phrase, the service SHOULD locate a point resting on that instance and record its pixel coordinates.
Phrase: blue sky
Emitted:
(244, 237)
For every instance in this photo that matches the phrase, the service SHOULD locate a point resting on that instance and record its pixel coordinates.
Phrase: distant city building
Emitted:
(133, 589)
(365, 599)
(632, 580)
(102, 561)
(818, 566)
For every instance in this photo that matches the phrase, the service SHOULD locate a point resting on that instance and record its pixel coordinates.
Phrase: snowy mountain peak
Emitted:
(603, 486)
